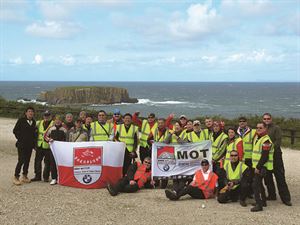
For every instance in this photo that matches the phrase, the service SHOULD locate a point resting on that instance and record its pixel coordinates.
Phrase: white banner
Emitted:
(88, 164)
(179, 160)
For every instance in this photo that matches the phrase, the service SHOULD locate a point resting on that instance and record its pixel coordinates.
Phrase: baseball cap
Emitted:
(196, 122)
(117, 111)
(183, 116)
(47, 113)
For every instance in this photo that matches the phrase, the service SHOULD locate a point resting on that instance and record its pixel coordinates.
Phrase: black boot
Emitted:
(111, 190)
(36, 178)
(243, 203)
(257, 208)
(172, 195)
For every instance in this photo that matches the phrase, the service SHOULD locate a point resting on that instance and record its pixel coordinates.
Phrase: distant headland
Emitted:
(86, 95)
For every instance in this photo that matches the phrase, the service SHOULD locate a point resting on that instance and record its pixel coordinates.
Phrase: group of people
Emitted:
(242, 157)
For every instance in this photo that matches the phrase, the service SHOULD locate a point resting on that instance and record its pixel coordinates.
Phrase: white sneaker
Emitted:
(53, 182)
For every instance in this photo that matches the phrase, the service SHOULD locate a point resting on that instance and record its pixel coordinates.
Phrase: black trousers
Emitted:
(258, 189)
(221, 174)
(124, 186)
(144, 152)
(279, 173)
(24, 155)
(127, 161)
(239, 193)
(53, 167)
(248, 162)
(40, 155)
(194, 192)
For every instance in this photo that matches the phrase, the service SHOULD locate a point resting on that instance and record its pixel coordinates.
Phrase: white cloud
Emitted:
(257, 56)
(16, 61)
(38, 59)
(209, 59)
(201, 20)
(53, 29)
(67, 60)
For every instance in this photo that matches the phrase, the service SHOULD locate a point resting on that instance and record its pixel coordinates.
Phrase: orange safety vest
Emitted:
(141, 176)
(207, 186)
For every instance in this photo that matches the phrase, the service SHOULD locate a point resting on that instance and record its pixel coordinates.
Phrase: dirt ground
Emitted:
(40, 203)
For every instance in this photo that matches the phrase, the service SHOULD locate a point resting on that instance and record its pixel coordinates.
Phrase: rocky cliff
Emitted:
(86, 95)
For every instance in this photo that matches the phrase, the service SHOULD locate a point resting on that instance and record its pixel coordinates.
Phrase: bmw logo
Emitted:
(166, 167)
(87, 178)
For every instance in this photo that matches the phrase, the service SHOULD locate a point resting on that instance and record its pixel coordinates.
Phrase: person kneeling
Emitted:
(237, 174)
(137, 177)
(203, 185)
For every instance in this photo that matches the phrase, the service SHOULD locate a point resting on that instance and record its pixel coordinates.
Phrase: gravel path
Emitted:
(40, 203)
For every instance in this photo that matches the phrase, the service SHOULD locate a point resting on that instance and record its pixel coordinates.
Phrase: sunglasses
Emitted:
(147, 162)
(234, 155)
(117, 114)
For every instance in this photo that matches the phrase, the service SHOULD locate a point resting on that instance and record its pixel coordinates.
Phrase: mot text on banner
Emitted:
(175, 161)
(88, 164)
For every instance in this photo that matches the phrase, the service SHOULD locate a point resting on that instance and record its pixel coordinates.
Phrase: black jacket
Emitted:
(26, 134)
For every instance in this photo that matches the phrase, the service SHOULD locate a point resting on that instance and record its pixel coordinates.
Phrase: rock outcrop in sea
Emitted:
(86, 95)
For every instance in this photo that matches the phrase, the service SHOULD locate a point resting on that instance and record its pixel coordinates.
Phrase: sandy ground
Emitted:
(40, 203)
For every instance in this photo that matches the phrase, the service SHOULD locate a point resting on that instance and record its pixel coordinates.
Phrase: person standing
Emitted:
(197, 135)
(55, 133)
(274, 133)
(77, 133)
(69, 123)
(87, 125)
(247, 134)
(209, 128)
(101, 129)
(262, 161)
(128, 134)
(42, 151)
(26, 135)
(234, 143)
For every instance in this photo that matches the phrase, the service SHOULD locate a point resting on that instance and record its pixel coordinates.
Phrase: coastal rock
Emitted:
(86, 95)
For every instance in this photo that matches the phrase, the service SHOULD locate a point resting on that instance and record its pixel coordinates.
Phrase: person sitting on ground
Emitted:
(203, 185)
(236, 181)
(78, 133)
(137, 177)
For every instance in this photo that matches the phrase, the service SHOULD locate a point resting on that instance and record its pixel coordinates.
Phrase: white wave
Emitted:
(24, 101)
(149, 102)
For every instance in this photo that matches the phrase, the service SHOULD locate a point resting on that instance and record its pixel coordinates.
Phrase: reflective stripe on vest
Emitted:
(230, 147)
(145, 133)
(41, 132)
(235, 175)
(141, 176)
(257, 150)
(162, 138)
(207, 186)
(248, 144)
(182, 135)
(127, 137)
(217, 151)
(98, 133)
(206, 134)
(193, 137)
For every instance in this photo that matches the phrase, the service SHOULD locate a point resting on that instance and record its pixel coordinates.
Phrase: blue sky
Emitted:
(95, 40)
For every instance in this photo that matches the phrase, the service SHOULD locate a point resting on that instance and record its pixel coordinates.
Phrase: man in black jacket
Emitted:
(26, 135)
(137, 177)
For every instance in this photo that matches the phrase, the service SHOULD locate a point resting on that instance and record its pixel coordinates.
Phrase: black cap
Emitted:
(152, 115)
(204, 161)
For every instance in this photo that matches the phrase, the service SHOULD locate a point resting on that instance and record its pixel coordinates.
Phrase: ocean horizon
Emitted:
(228, 99)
